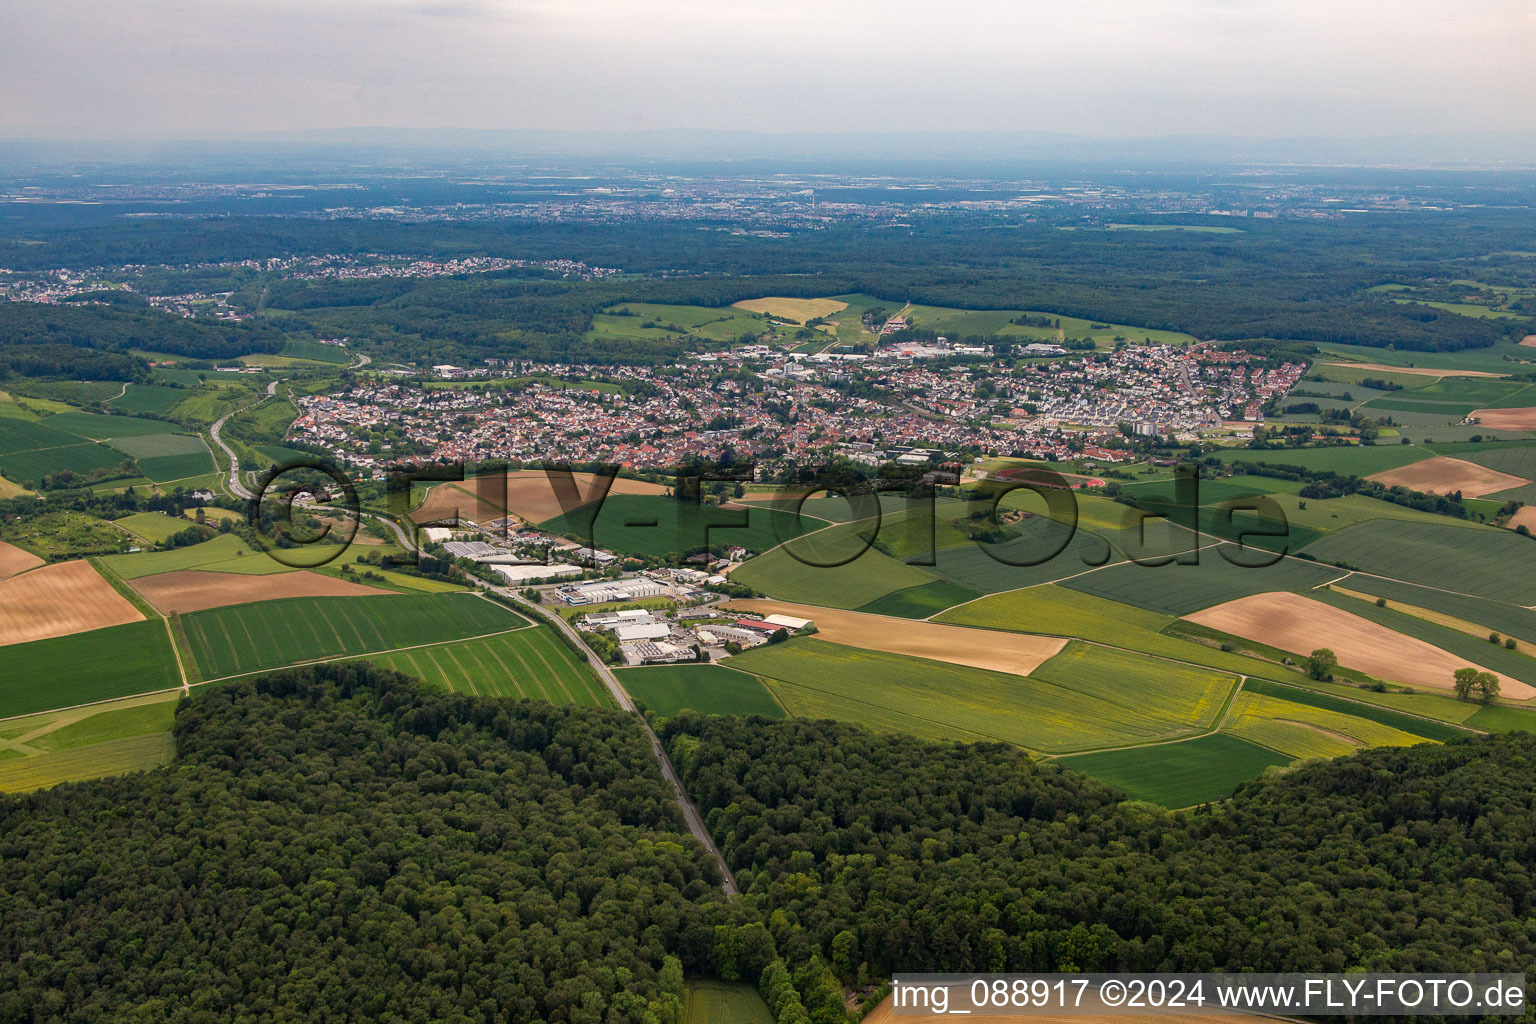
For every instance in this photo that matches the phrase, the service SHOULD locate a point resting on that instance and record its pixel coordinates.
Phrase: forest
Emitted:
(1294, 279)
(339, 836)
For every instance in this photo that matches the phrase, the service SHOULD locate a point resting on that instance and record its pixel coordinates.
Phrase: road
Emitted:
(690, 812)
(237, 488)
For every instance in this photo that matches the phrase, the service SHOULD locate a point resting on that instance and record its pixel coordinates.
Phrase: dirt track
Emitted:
(527, 494)
(14, 560)
(1443, 474)
(1299, 624)
(59, 599)
(192, 590)
(1507, 419)
(1015, 653)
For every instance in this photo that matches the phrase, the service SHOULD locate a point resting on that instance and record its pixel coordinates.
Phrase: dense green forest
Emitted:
(116, 328)
(337, 837)
(898, 854)
(1294, 279)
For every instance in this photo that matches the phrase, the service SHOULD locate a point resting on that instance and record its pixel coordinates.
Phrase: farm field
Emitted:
(1494, 564)
(528, 494)
(799, 310)
(780, 574)
(1179, 774)
(527, 663)
(1517, 461)
(1355, 460)
(1300, 624)
(816, 679)
(102, 427)
(81, 457)
(723, 1002)
(1509, 619)
(118, 661)
(57, 600)
(193, 590)
(1523, 418)
(1055, 610)
(223, 553)
(636, 524)
(1443, 475)
(1504, 719)
(94, 761)
(240, 639)
(1300, 730)
(1175, 589)
(152, 399)
(14, 560)
(922, 601)
(1402, 712)
(706, 689)
(152, 526)
(1018, 654)
(1510, 666)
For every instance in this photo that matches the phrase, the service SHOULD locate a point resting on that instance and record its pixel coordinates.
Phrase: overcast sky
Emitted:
(190, 68)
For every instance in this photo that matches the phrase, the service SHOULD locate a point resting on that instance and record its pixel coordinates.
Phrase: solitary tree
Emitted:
(1466, 679)
(1487, 686)
(1321, 663)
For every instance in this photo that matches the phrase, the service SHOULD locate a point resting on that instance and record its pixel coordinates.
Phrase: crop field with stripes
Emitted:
(527, 663)
(239, 639)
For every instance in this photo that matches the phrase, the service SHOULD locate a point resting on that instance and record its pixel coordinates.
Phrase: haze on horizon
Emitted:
(92, 69)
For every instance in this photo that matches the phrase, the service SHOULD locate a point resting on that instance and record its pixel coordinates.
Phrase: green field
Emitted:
(164, 469)
(224, 553)
(248, 638)
(1085, 697)
(295, 348)
(1057, 611)
(1355, 460)
(118, 661)
(922, 601)
(1495, 564)
(102, 427)
(1180, 589)
(85, 457)
(1179, 774)
(19, 435)
(1359, 704)
(153, 399)
(707, 689)
(153, 526)
(718, 324)
(1504, 719)
(527, 663)
(1304, 730)
(77, 764)
(1509, 619)
(781, 574)
(145, 446)
(651, 525)
(723, 1002)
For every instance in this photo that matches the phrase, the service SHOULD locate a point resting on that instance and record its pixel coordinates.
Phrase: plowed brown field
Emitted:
(59, 599)
(191, 590)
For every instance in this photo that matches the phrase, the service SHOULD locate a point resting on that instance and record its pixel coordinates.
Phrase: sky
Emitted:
(110, 69)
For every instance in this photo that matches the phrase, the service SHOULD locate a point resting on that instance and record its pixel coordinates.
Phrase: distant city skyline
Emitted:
(84, 69)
